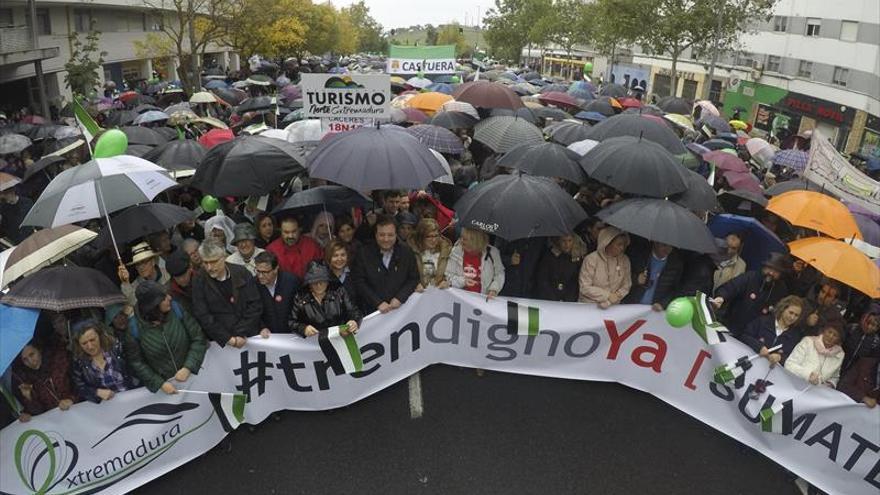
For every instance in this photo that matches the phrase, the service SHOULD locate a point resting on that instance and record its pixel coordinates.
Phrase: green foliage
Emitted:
(86, 62)
(513, 24)
(453, 34)
(431, 35)
(369, 31)
(566, 24)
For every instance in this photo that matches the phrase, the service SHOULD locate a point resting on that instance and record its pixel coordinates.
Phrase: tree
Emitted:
(610, 30)
(283, 37)
(431, 35)
(86, 61)
(451, 34)
(369, 31)
(566, 24)
(512, 25)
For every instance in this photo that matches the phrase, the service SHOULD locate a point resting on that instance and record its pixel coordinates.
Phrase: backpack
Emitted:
(133, 321)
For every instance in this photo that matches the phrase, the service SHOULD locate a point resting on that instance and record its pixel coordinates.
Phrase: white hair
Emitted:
(212, 249)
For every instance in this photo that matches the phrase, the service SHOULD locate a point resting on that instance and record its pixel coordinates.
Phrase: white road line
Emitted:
(416, 408)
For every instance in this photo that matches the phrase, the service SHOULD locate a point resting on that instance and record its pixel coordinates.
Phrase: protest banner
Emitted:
(116, 446)
(828, 169)
(346, 95)
(438, 59)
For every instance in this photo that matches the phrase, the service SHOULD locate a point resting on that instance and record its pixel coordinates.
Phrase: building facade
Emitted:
(123, 24)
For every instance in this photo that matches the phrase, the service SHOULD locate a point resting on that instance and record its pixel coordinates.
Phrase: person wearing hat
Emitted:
(145, 261)
(117, 317)
(179, 267)
(318, 306)
(246, 250)
(752, 294)
(169, 345)
(408, 222)
(225, 298)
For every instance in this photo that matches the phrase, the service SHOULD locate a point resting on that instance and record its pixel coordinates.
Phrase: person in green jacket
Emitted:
(167, 341)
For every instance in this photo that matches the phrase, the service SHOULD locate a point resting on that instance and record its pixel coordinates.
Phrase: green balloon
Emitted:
(588, 67)
(680, 312)
(112, 143)
(210, 203)
(456, 79)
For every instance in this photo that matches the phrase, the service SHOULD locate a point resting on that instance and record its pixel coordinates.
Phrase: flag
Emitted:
(477, 75)
(778, 418)
(711, 331)
(729, 372)
(522, 320)
(343, 353)
(86, 123)
(229, 408)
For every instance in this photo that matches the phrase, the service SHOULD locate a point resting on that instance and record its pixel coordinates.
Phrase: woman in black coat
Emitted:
(556, 278)
(319, 307)
(778, 328)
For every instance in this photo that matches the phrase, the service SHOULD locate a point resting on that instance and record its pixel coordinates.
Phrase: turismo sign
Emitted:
(344, 95)
(421, 59)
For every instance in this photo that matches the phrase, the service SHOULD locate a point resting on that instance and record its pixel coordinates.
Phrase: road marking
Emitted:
(416, 408)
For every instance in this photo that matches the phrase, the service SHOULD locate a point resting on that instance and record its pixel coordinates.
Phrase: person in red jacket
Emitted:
(294, 250)
(41, 380)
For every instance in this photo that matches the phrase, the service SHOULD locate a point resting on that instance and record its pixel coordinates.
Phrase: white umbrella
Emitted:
(443, 179)
(41, 249)
(203, 97)
(304, 130)
(419, 82)
(583, 147)
(460, 106)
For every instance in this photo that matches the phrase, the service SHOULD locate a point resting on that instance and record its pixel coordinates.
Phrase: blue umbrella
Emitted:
(793, 159)
(216, 84)
(758, 240)
(150, 116)
(590, 116)
(444, 88)
(18, 328)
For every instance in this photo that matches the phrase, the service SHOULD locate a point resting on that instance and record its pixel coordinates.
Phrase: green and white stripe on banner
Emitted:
(704, 322)
(729, 372)
(522, 320)
(342, 351)
(778, 418)
(229, 408)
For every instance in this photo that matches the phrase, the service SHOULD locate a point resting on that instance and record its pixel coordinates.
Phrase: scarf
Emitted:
(822, 350)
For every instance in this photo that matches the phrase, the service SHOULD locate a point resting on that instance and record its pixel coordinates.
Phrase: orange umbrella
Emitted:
(816, 211)
(840, 261)
(428, 102)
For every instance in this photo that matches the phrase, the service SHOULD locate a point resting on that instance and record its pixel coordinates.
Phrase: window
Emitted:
(805, 69)
(44, 23)
(780, 23)
(6, 17)
(849, 31)
(773, 63)
(82, 20)
(840, 76)
(813, 25)
(745, 59)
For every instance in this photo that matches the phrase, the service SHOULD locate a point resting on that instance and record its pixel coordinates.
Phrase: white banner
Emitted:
(116, 446)
(827, 168)
(424, 66)
(346, 95)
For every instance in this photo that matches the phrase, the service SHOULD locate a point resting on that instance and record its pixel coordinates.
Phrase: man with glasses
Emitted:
(277, 289)
(225, 298)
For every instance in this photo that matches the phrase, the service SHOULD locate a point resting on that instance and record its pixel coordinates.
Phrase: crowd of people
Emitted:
(237, 271)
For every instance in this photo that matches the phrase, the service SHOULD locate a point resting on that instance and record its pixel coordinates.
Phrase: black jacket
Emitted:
(519, 280)
(376, 284)
(748, 297)
(277, 307)
(223, 317)
(669, 283)
(859, 344)
(336, 308)
(761, 332)
(556, 278)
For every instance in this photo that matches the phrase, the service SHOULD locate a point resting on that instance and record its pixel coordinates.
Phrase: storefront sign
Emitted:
(343, 95)
(818, 109)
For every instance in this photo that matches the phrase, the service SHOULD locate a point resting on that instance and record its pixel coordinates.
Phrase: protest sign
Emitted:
(421, 59)
(828, 169)
(346, 95)
(116, 446)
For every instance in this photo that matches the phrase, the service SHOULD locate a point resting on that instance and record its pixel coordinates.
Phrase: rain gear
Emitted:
(604, 279)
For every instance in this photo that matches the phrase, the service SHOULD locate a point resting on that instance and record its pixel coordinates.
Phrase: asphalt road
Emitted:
(495, 434)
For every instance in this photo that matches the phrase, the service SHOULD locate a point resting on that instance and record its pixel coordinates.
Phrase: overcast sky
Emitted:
(402, 13)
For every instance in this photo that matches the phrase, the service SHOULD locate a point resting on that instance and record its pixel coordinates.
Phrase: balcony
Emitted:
(17, 48)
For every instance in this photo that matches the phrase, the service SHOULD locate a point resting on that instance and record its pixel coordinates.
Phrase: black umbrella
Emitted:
(551, 113)
(674, 104)
(645, 110)
(554, 88)
(138, 150)
(713, 122)
(662, 221)
(142, 220)
(369, 158)
(255, 104)
(453, 120)
(518, 206)
(231, 96)
(118, 118)
(143, 135)
(437, 138)
(41, 164)
(637, 126)
(146, 107)
(567, 132)
(545, 160)
(635, 166)
(601, 106)
(614, 91)
(247, 166)
(742, 202)
(699, 195)
(177, 155)
(335, 199)
(168, 133)
(502, 134)
(524, 113)
(792, 185)
(62, 146)
(63, 288)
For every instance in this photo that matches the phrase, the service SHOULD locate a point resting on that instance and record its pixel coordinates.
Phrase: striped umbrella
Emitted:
(460, 107)
(453, 120)
(63, 288)
(502, 134)
(437, 138)
(793, 159)
(40, 249)
(97, 188)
